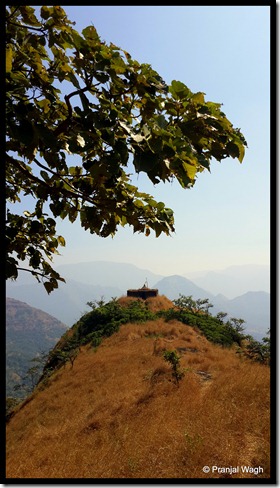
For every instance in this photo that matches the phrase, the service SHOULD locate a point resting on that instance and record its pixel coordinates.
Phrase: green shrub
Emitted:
(173, 358)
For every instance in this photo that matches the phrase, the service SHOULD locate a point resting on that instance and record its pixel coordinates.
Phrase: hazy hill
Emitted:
(84, 282)
(172, 286)
(103, 273)
(92, 281)
(253, 307)
(118, 414)
(234, 280)
(29, 331)
(67, 302)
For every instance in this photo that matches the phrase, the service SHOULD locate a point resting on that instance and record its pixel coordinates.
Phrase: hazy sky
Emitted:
(222, 51)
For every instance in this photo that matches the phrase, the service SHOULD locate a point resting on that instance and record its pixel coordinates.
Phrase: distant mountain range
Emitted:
(84, 282)
(95, 280)
(253, 307)
(121, 276)
(29, 332)
(234, 280)
(173, 286)
(67, 303)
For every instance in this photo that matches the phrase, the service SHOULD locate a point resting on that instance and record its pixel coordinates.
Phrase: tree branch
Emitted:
(64, 125)
(44, 275)
(38, 29)
(12, 14)
(75, 194)
(78, 193)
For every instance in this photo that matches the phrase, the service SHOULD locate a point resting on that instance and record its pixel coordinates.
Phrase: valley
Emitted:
(101, 279)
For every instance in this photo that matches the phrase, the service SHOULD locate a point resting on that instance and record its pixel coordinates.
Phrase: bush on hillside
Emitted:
(173, 358)
(196, 314)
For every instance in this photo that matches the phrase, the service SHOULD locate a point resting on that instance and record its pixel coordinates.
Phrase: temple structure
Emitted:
(143, 292)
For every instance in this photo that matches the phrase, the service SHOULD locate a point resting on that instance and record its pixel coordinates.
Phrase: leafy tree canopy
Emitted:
(72, 94)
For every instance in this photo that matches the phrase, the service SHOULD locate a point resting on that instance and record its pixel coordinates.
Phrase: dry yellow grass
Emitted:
(119, 414)
(160, 302)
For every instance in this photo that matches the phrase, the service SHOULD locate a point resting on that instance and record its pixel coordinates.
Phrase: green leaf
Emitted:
(138, 203)
(49, 286)
(46, 12)
(74, 170)
(78, 40)
(9, 59)
(161, 121)
(179, 90)
(144, 161)
(190, 169)
(118, 65)
(28, 16)
(160, 206)
(44, 104)
(155, 144)
(45, 175)
(233, 149)
(241, 149)
(158, 229)
(61, 241)
(102, 77)
(241, 153)
(90, 33)
(70, 76)
(198, 97)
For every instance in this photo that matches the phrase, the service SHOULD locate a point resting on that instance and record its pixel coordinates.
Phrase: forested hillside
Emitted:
(29, 332)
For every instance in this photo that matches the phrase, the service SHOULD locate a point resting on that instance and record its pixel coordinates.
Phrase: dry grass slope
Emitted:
(118, 413)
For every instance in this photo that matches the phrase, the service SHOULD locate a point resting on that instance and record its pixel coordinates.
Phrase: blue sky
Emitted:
(222, 51)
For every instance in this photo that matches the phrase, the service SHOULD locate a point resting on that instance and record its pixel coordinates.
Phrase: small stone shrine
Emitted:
(143, 292)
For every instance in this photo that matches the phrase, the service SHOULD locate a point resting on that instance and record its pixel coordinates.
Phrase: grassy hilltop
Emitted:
(109, 405)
